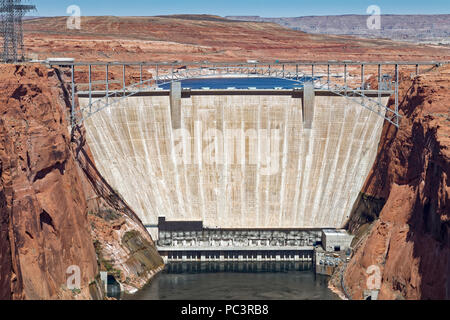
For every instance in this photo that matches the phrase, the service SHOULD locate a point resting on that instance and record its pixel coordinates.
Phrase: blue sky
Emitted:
(272, 8)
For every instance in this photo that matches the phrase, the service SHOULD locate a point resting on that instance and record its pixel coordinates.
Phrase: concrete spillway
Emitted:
(284, 175)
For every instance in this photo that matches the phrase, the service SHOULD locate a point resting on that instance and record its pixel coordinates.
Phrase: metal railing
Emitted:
(339, 82)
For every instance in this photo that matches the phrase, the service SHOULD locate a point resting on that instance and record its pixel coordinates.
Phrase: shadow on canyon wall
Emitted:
(52, 199)
(410, 240)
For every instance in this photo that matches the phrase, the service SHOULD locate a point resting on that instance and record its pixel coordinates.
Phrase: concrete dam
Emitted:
(262, 159)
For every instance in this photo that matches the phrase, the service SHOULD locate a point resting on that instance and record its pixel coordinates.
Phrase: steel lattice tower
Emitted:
(11, 13)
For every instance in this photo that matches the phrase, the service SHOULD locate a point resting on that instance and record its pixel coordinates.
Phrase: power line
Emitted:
(11, 14)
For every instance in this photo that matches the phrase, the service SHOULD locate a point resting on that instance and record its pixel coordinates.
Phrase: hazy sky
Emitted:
(272, 8)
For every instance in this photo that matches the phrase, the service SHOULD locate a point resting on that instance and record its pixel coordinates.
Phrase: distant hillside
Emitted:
(205, 37)
(198, 17)
(417, 28)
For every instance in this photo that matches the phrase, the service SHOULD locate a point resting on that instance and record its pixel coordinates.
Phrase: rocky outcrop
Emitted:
(123, 246)
(410, 242)
(44, 225)
(45, 193)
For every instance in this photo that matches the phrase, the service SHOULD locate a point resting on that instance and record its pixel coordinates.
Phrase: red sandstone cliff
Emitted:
(123, 246)
(52, 199)
(410, 242)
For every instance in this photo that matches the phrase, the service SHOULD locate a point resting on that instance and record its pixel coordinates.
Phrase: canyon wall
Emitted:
(50, 194)
(410, 241)
(237, 161)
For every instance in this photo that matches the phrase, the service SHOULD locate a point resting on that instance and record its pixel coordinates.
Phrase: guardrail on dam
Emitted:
(339, 77)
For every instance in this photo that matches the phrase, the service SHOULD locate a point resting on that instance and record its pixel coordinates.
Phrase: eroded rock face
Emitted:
(46, 192)
(123, 246)
(44, 224)
(410, 242)
(124, 251)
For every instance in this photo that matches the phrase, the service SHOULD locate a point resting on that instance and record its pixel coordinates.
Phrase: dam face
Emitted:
(236, 161)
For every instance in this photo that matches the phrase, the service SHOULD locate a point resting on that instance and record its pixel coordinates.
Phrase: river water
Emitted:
(236, 281)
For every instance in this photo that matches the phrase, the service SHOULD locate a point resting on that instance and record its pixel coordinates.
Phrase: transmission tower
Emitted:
(11, 13)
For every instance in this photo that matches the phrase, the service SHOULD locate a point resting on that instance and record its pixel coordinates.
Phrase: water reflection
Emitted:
(235, 266)
(236, 281)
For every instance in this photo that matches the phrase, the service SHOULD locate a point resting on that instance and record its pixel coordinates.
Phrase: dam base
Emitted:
(190, 241)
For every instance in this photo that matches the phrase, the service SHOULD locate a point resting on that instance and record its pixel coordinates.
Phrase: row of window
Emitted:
(236, 255)
(238, 234)
(234, 243)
